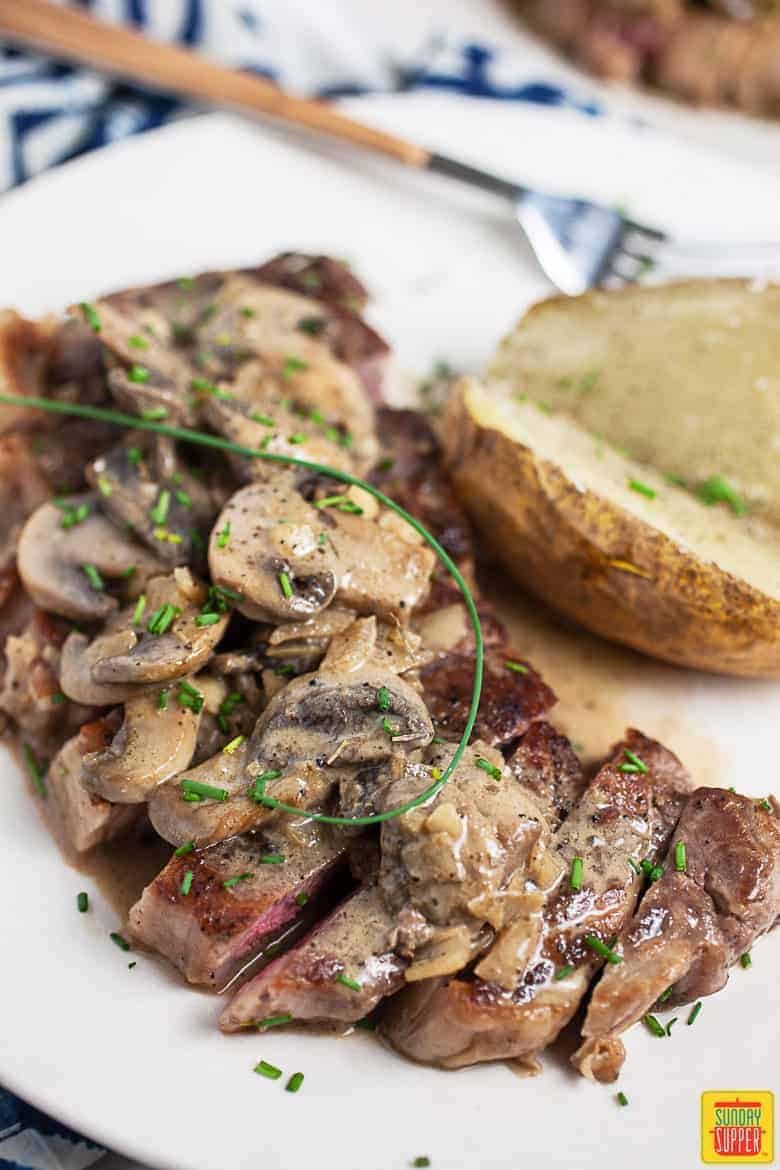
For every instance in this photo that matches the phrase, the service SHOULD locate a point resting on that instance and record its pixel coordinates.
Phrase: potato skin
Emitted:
(561, 541)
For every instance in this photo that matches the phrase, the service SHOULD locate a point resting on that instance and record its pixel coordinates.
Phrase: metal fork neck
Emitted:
(440, 164)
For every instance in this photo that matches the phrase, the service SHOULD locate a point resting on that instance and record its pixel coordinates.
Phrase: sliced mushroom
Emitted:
(356, 718)
(127, 658)
(183, 648)
(315, 410)
(154, 743)
(145, 487)
(208, 820)
(382, 567)
(266, 538)
(52, 560)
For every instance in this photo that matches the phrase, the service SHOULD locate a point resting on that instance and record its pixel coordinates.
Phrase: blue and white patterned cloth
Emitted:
(53, 112)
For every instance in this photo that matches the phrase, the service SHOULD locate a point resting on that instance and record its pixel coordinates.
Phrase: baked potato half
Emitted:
(612, 542)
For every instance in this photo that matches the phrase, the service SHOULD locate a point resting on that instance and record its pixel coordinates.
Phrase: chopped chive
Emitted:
(386, 464)
(292, 365)
(312, 325)
(765, 805)
(207, 791)
(668, 1028)
(717, 490)
(322, 538)
(297, 439)
(183, 498)
(162, 699)
(486, 766)
(746, 960)
(82, 902)
(284, 669)
(577, 867)
(268, 1070)
(517, 667)
(129, 572)
(263, 419)
(122, 943)
(341, 502)
(694, 1012)
(131, 965)
(159, 513)
(104, 487)
(388, 728)
(35, 769)
(562, 973)
(188, 696)
(662, 998)
(366, 1024)
(384, 699)
(257, 792)
(183, 850)
(656, 873)
(196, 538)
(162, 619)
(138, 612)
(646, 866)
(134, 455)
(680, 859)
(94, 578)
(271, 859)
(154, 413)
(421, 1161)
(207, 619)
(634, 763)
(192, 797)
(634, 865)
(654, 1025)
(636, 485)
(59, 697)
(229, 748)
(90, 316)
(352, 984)
(622, 1099)
(284, 583)
(186, 884)
(224, 535)
(294, 1083)
(138, 342)
(186, 282)
(233, 881)
(274, 1021)
(138, 374)
(301, 899)
(248, 312)
(602, 949)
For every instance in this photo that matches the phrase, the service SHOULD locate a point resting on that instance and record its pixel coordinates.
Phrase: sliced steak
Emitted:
(691, 926)
(213, 930)
(79, 820)
(411, 471)
(511, 699)
(545, 764)
(513, 1009)
(337, 974)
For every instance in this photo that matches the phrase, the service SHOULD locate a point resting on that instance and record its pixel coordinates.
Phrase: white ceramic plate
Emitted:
(133, 1058)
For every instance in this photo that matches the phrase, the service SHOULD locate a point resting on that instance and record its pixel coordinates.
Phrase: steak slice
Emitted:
(531, 982)
(213, 931)
(79, 820)
(546, 765)
(411, 471)
(691, 926)
(511, 699)
(337, 974)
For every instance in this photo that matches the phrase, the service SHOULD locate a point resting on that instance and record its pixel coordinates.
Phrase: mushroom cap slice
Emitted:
(182, 649)
(51, 560)
(358, 718)
(152, 745)
(145, 487)
(382, 567)
(273, 531)
(78, 658)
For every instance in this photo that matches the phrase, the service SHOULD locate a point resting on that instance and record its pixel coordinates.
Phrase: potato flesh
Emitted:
(685, 377)
(743, 546)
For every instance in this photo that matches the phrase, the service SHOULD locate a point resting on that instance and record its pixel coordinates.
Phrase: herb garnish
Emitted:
(602, 949)
(486, 766)
(577, 867)
(203, 791)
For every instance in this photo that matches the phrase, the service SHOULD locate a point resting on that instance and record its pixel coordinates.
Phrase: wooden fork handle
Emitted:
(74, 35)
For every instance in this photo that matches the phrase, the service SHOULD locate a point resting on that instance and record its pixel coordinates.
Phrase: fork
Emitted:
(577, 244)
